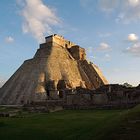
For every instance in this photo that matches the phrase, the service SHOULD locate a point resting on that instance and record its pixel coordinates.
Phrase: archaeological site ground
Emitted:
(73, 125)
(60, 95)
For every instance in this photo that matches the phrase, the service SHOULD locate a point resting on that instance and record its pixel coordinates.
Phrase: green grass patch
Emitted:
(128, 127)
(68, 125)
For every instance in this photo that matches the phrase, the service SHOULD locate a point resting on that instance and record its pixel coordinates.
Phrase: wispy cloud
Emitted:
(9, 39)
(134, 49)
(104, 46)
(38, 18)
(127, 11)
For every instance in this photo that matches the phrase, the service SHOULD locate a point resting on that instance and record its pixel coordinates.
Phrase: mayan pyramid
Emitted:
(57, 65)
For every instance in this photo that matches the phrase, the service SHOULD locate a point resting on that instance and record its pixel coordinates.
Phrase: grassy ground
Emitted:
(74, 125)
(128, 127)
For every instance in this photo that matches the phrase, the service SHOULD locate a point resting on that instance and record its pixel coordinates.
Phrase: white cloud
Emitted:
(9, 39)
(132, 37)
(129, 12)
(134, 50)
(133, 3)
(103, 46)
(126, 11)
(39, 18)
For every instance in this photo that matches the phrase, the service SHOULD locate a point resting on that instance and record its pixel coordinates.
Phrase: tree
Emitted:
(127, 85)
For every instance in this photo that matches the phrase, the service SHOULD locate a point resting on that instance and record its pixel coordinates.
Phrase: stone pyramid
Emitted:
(57, 65)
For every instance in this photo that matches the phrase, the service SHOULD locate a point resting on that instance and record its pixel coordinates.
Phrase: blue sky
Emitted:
(108, 29)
